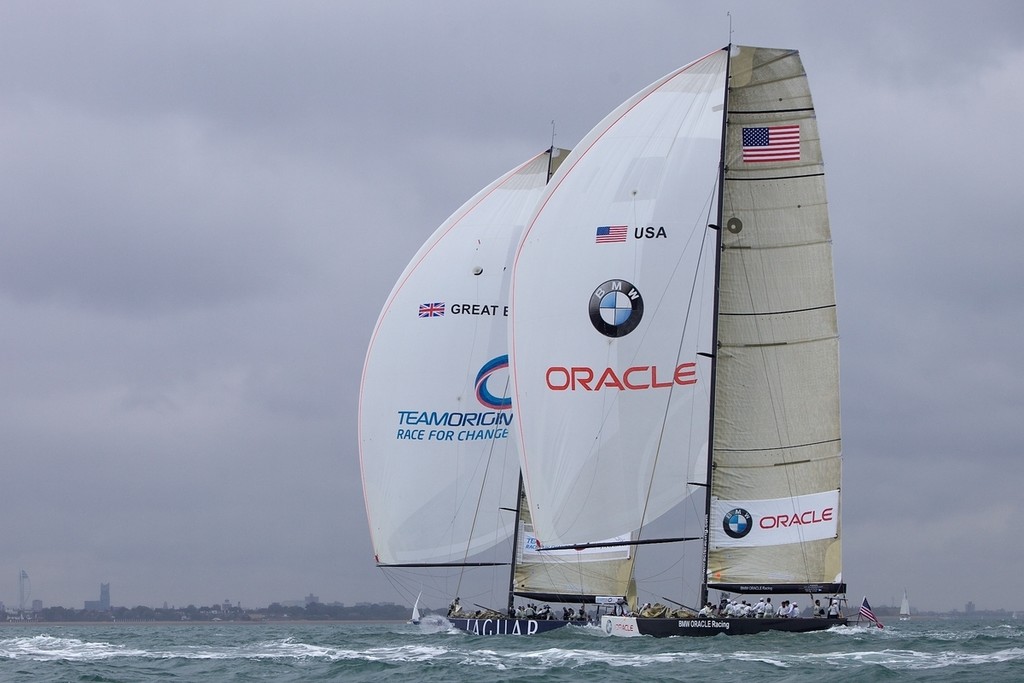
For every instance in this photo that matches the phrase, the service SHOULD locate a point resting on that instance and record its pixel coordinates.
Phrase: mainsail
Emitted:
(775, 507)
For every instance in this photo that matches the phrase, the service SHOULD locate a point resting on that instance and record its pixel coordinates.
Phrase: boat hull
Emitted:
(507, 627)
(663, 628)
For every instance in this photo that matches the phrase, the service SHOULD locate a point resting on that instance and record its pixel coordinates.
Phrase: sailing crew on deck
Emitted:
(454, 608)
(833, 609)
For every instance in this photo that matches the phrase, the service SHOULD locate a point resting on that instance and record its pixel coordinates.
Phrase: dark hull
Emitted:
(663, 628)
(507, 627)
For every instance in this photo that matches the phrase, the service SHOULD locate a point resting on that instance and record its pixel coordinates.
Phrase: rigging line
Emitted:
(476, 512)
(679, 349)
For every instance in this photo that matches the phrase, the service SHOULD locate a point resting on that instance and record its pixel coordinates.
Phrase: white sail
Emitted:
(435, 418)
(415, 618)
(613, 398)
(904, 607)
(775, 517)
(571, 575)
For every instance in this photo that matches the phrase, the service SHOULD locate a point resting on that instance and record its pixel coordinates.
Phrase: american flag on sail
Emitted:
(432, 310)
(868, 613)
(611, 233)
(771, 143)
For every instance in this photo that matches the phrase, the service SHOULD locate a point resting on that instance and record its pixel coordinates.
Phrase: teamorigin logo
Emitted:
(616, 308)
(483, 392)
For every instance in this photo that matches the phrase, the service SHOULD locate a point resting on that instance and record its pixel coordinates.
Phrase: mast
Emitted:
(515, 531)
(717, 227)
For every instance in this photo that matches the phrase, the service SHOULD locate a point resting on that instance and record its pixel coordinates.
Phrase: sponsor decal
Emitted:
(502, 627)
(805, 517)
(483, 394)
(616, 308)
(703, 623)
(635, 378)
(432, 425)
(776, 521)
(737, 523)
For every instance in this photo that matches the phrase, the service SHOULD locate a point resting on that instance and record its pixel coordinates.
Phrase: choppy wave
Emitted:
(432, 651)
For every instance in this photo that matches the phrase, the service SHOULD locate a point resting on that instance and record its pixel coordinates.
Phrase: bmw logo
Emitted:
(737, 523)
(616, 308)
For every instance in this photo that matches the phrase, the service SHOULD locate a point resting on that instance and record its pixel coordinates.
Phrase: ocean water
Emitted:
(964, 650)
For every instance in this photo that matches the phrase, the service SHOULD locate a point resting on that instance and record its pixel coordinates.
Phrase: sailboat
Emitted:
(905, 607)
(674, 344)
(440, 469)
(415, 618)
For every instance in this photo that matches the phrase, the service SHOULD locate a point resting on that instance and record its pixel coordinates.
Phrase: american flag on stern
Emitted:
(868, 613)
(432, 310)
(771, 143)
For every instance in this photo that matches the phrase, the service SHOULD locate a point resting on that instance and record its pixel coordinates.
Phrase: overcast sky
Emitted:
(204, 205)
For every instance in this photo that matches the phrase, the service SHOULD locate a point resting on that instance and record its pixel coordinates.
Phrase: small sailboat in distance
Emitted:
(905, 607)
(415, 619)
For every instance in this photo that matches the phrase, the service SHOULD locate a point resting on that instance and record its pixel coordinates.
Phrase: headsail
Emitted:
(435, 416)
(570, 575)
(775, 504)
(607, 318)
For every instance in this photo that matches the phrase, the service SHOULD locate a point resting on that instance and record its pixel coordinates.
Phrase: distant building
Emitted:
(969, 607)
(103, 604)
(37, 605)
(310, 599)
